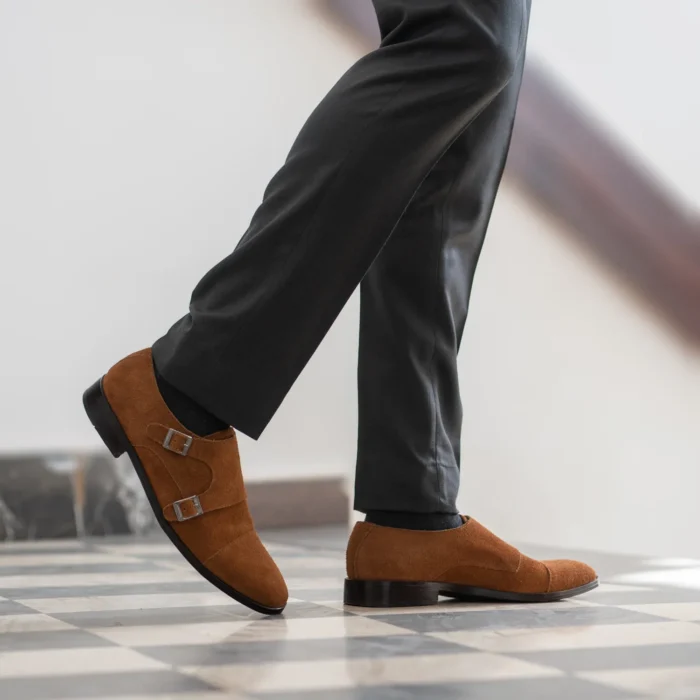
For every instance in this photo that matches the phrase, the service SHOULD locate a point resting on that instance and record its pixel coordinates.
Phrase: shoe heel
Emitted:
(103, 419)
(390, 594)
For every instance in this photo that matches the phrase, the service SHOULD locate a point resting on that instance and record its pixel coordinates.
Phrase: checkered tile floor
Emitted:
(129, 619)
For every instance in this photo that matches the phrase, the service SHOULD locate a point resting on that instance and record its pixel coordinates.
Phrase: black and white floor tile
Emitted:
(129, 620)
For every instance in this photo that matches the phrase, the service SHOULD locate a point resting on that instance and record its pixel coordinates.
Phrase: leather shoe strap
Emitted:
(221, 456)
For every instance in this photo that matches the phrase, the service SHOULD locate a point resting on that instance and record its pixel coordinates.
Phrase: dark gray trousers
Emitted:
(390, 184)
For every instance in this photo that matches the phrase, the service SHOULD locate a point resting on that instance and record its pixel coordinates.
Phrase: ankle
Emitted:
(192, 416)
(414, 521)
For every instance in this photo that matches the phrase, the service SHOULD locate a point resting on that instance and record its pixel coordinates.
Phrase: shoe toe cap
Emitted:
(247, 567)
(566, 574)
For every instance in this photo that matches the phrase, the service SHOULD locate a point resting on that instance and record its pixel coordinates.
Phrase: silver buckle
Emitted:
(186, 446)
(178, 510)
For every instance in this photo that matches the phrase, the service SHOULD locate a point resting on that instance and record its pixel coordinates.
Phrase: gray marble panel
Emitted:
(69, 495)
(616, 658)
(521, 689)
(175, 586)
(53, 639)
(141, 683)
(165, 616)
(528, 618)
(301, 650)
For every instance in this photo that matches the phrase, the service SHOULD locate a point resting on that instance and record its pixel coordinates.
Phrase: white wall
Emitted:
(634, 64)
(581, 421)
(137, 137)
(601, 403)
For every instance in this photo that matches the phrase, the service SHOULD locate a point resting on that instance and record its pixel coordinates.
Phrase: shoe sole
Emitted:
(408, 594)
(110, 430)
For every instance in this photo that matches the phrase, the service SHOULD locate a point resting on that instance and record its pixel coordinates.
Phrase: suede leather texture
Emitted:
(469, 555)
(223, 539)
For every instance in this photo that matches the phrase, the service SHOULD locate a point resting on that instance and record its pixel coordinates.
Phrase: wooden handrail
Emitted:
(611, 204)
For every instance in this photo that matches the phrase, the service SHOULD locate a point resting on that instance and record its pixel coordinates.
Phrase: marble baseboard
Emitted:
(65, 495)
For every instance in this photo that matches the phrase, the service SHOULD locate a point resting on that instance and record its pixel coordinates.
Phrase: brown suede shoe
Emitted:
(389, 567)
(194, 485)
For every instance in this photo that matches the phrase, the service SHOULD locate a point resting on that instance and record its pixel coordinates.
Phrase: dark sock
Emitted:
(414, 521)
(195, 418)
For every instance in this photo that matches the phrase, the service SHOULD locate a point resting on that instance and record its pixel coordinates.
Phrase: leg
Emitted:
(413, 310)
(414, 305)
(258, 316)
